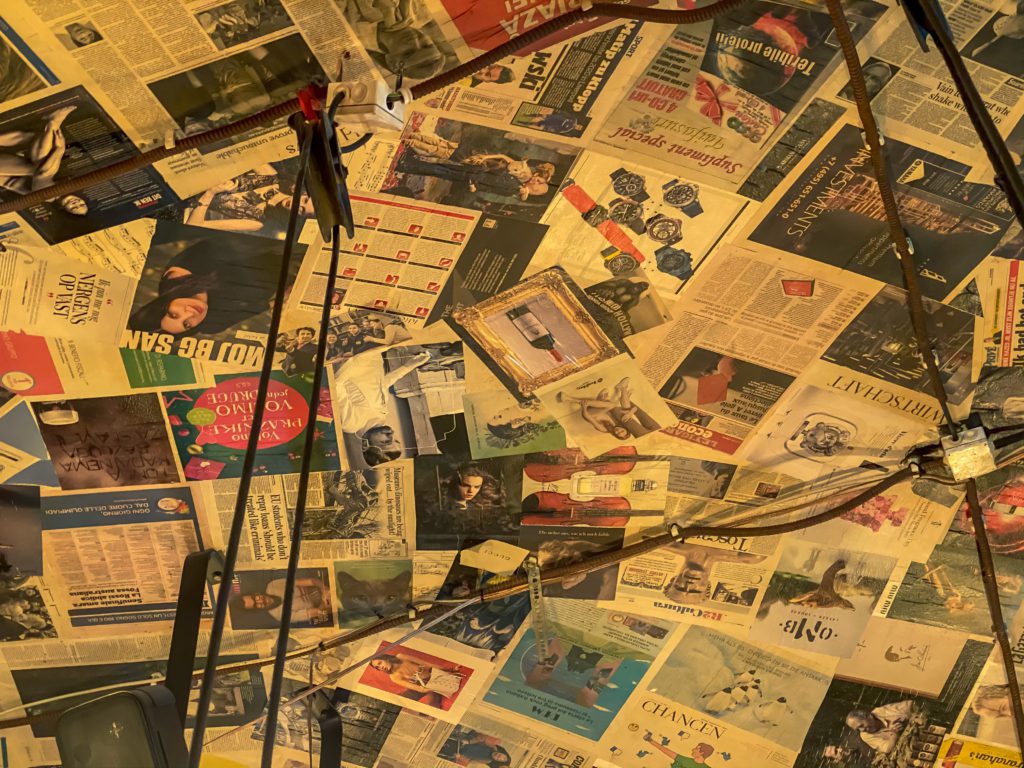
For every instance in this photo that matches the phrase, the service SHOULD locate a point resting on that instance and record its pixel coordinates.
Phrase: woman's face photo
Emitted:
(82, 35)
(305, 206)
(183, 314)
(468, 487)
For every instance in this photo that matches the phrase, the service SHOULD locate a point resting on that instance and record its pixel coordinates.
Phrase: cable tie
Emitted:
(169, 139)
(676, 532)
(586, 6)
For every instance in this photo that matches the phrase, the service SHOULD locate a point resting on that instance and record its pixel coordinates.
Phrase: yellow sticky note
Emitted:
(494, 556)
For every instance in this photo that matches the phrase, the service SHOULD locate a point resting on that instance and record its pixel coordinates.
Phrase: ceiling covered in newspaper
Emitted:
(635, 278)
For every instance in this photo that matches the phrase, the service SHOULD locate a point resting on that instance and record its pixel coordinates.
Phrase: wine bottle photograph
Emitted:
(536, 333)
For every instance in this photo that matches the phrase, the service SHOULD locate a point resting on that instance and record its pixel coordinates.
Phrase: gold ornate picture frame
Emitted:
(548, 294)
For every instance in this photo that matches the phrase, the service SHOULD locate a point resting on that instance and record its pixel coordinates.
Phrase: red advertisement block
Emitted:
(26, 367)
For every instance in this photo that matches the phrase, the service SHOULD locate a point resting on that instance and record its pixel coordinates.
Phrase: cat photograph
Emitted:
(372, 589)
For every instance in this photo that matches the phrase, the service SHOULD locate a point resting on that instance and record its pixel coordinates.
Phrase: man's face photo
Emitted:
(260, 600)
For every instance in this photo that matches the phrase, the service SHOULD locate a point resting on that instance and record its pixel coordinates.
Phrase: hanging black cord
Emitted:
(220, 610)
(280, 652)
(904, 252)
(988, 578)
(930, 15)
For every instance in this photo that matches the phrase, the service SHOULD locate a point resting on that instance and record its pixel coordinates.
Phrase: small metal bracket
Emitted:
(971, 454)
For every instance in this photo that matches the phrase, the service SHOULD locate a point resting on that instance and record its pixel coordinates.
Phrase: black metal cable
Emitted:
(284, 628)
(915, 302)
(988, 579)
(220, 609)
(1007, 177)
(904, 250)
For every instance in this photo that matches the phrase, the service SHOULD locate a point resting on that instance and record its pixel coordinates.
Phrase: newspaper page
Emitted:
(747, 325)
(484, 734)
(363, 514)
(911, 92)
(822, 431)
(403, 255)
(579, 677)
(920, 657)
(45, 678)
(908, 520)
(925, 720)
(187, 67)
(706, 581)
(556, 91)
(114, 559)
(714, 95)
(43, 292)
(715, 694)
(811, 605)
(57, 123)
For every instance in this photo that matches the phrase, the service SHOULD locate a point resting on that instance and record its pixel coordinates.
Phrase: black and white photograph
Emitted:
(863, 726)
(206, 295)
(24, 614)
(67, 134)
(21, 534)
(237, 85)
(401, 37)
(355, 507)
(107, 442)
(349, 333)
(877, 74)
(606, 405)
(18, 78)
(402, 402)
(472, 166)
(78, 34)
(461, 502)
(241, 21)
(878, 343)
(998, 43)
(256, 598)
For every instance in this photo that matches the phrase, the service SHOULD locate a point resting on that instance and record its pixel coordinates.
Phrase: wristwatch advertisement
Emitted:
(627, 213)
(674, 261)
(664, 230)
(629, 184)
(683, 195)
